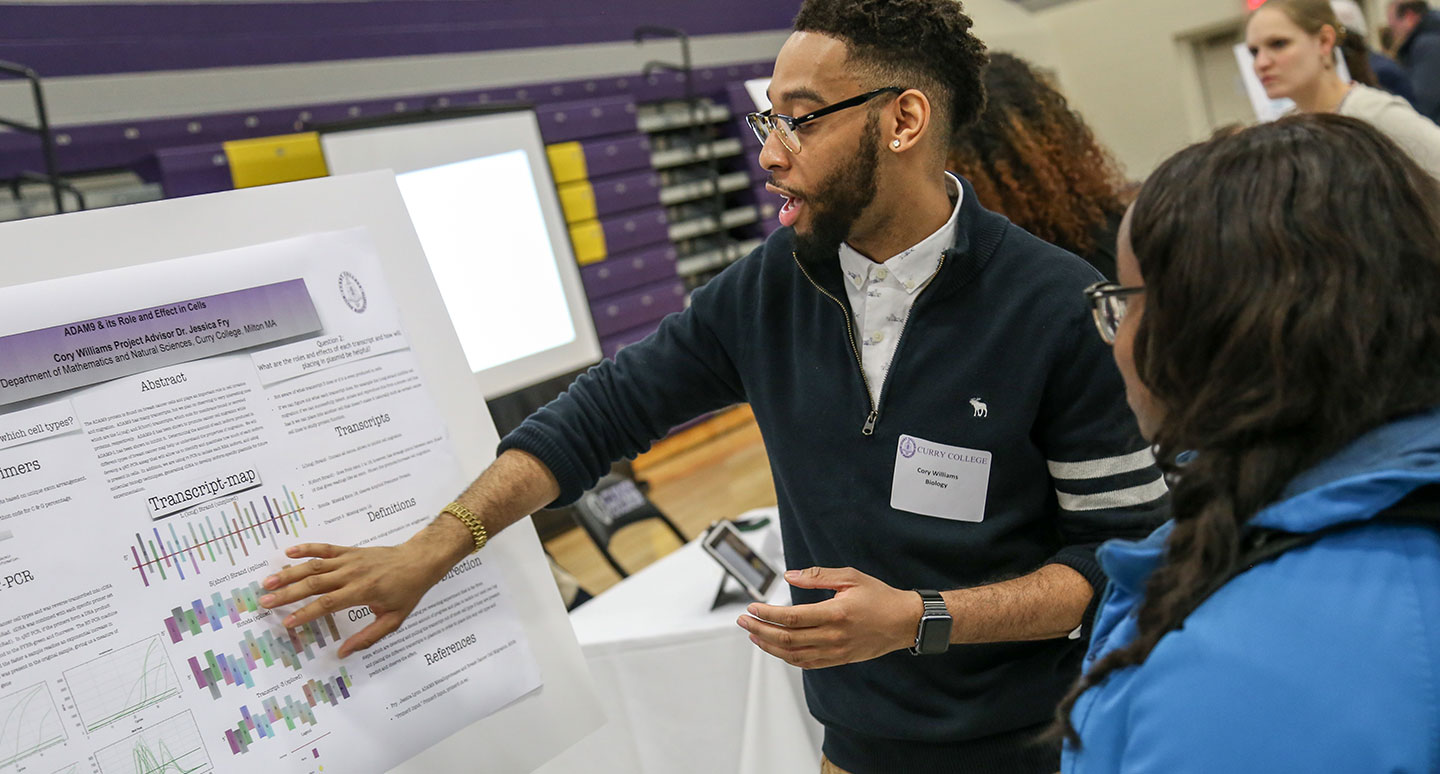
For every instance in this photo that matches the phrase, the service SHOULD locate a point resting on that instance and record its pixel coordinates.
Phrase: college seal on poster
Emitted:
(352, 292)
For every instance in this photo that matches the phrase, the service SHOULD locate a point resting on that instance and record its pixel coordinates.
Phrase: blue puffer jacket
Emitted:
(1326, 659)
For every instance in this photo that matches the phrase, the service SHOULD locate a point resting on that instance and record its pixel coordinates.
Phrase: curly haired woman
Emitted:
(1034, 160)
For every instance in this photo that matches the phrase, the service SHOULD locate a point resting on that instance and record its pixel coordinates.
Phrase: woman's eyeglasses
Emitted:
(1108, 302)
(763, 124)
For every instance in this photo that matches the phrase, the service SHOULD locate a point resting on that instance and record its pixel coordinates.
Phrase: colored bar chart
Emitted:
(213, 670)
(226, 536)
(294, 712)
(197, 616)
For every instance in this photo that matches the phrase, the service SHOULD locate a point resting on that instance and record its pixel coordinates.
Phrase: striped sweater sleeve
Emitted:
(1102, 471)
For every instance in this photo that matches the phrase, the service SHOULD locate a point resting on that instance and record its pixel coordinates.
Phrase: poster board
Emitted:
(539, 725)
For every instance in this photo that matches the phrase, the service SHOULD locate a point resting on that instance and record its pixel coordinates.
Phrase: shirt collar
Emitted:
(915, 265)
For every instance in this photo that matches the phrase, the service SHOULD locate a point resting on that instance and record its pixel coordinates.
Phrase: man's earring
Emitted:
(895, 144)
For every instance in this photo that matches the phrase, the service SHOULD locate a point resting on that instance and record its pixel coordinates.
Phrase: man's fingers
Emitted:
(784, 637)
(316, 576)
(316, 550)
(319, 584)
(795, 616)
(824, 577)
(327, 603)
(800, 657)
(295, 572)
(772, 613)
(363, 639)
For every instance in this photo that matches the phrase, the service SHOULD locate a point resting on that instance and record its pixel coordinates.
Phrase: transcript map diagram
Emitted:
(159, 449)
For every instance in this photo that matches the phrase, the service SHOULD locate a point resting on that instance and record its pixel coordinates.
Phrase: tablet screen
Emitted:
(738, 555)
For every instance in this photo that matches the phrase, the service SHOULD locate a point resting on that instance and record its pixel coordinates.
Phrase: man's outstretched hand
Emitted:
(865, 619)
(389, 580)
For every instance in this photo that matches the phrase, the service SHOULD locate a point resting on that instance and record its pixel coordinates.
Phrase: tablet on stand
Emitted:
(742, 563)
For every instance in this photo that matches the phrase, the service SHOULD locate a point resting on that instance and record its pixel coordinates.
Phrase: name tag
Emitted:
(932, 479)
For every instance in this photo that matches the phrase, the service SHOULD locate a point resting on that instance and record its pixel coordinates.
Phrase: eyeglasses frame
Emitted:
(755, 120)
(1101, 292)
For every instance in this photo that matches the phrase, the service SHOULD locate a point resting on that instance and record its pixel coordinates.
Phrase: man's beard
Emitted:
(839, 200)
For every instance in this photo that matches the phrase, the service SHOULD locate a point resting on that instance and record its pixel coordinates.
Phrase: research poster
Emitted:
(158, 452)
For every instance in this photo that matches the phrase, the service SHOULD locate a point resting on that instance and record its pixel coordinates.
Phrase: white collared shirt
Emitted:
(881, 294)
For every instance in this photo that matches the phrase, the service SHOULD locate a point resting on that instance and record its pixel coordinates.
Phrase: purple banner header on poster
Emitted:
(51, 360)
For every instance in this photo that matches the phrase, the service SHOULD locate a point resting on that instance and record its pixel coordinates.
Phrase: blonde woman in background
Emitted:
(1294, 46)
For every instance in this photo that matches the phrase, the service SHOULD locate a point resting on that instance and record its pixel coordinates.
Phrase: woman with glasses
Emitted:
(1283, 355)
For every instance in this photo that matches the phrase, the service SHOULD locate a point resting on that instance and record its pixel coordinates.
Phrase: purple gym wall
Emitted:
(95, 39)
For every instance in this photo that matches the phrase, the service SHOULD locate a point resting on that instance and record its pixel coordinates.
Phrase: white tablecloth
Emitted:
(683, 688)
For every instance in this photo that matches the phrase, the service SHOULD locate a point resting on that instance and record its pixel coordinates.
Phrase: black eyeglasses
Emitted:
(763, 124)
(1108, 302)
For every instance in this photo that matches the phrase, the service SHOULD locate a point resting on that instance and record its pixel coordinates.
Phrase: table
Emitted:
(683, 688)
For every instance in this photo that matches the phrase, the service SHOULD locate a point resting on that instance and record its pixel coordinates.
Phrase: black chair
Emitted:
(614, 503)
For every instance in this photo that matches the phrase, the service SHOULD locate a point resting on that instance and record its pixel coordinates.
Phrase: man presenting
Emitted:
(937, 414)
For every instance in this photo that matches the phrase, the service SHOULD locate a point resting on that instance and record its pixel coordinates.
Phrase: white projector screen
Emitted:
(479, 192)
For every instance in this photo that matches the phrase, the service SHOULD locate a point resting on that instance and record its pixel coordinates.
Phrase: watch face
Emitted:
(934, 636)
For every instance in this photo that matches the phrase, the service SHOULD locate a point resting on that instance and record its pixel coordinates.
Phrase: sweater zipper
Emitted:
(905, 326)
(874, 416)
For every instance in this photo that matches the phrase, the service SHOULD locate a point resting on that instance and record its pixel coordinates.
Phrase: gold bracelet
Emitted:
(471, 522)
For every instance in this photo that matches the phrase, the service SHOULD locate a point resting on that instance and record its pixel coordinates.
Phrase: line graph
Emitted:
(121, 683)
(171, 746)
(29, 723)
(180, 551)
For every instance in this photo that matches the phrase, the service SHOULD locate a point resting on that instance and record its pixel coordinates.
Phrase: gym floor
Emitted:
(720, 476)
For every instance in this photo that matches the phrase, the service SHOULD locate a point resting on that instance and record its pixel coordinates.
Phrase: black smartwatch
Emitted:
(933, 636)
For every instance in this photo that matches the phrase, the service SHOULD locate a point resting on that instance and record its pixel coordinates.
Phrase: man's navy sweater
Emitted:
(1004, 322)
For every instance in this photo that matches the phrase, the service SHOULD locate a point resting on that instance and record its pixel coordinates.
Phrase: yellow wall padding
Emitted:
(279, 159)
(588, 239)
(578, 201)
(567, 162)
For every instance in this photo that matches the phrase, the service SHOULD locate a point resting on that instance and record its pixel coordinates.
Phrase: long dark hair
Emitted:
(1292, 272)
(1034, 160)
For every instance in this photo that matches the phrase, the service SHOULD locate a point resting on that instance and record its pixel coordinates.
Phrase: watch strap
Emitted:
(932, 634)
(933, 601)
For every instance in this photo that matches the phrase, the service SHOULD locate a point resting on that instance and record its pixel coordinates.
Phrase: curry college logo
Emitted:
(907, 447)
(352, 292)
